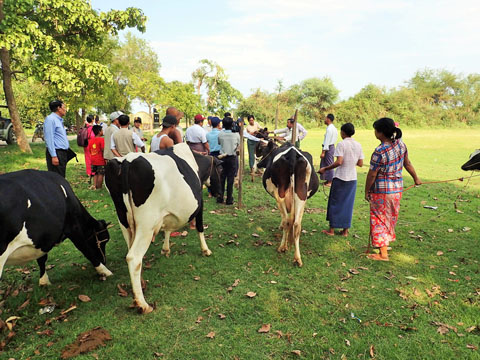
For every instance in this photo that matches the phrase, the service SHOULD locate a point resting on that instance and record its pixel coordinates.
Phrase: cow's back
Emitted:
(35, 200)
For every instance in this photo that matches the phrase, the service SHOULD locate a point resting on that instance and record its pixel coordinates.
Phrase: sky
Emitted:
(353, 42)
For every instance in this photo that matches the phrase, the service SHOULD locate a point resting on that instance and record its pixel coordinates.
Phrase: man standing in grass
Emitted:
(125, 141)
(328, 149)
(56, 138)
(229, 142)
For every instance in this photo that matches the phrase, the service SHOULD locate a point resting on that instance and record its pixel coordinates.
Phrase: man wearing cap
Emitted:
(212, 136)
(162, 140)
(112, 129)
(56, 138)
(125, 141)
(196, 137)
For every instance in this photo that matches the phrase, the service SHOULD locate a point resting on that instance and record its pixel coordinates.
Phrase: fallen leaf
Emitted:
(439, 253)
(353, 271)
(221, 316)
(196, 278)
(473, 347)
(255, 235)
(251, 294)
(199, 319)
(11, 321)
(236, 282)
(450, 230)
(24, 305)
(372, 351)
(85, 342)
(210, 335)
(466, 228)
(73, 307)
(347, 342)
(121, 291)
(84, 298)
(297, 352)
(184, 233)
(264, 329)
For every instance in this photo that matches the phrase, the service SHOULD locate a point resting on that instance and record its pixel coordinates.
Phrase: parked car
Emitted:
(6, 129)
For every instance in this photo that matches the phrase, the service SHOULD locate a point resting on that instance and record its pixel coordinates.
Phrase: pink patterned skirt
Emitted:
(384, 210)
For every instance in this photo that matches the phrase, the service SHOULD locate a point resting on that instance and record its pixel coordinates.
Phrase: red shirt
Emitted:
(95, 147)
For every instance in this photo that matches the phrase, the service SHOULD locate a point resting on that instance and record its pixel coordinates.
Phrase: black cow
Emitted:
(290, 178)
(474, 162)
(39, 210)
(159, 191)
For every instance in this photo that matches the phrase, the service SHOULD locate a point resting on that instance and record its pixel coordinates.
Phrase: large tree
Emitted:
(221, 95)
(315, 96)
(41, 38)
(183, 97)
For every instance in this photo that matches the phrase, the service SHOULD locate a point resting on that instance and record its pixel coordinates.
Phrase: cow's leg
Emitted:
(283, 225)
(199, 225)
(44, 280)
(127, 235)
(302, 178)
(20, 240)
(297, 229)
(134, 260)
(166, 244)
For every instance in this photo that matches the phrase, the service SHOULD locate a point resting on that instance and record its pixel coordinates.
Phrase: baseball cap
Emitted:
(169, 121)
(215, 121)
(115, 115)
(199, 117)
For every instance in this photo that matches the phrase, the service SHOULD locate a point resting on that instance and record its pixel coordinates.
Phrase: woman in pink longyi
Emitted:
(384, 184)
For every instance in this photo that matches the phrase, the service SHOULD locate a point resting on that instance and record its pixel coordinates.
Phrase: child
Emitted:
(95, 148)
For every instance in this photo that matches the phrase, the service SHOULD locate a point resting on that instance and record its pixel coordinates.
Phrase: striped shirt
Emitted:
(388, 160)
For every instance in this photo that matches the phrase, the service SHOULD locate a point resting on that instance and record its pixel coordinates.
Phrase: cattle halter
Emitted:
(99, 242)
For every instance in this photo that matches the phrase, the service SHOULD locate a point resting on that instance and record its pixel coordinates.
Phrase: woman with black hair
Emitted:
(344, 184)
(384, 184)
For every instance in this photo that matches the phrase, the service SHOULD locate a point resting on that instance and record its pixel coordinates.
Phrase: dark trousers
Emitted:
(251, 152)
(229, 166)
(62, 162)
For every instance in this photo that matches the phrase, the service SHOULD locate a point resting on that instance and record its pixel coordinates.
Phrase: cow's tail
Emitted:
(128, 199)
(292, 159)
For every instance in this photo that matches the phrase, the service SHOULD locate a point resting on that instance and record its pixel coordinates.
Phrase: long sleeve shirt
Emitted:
(286, 133)
(330, 138)
(55, 134)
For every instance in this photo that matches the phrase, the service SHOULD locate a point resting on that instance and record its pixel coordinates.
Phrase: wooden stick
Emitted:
(294, 128)
(241, 165)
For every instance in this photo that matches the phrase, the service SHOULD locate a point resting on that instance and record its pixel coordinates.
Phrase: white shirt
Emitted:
(135, 138)
(331, 136)
(301, 133)
(351, 151)
(196, 134)
(156, 140)
(249, 136)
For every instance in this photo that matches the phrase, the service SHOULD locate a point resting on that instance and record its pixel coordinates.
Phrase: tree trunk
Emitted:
(22, 140)
(78, 120)
(7, 88)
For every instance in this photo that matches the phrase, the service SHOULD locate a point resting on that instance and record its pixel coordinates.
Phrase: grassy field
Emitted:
(423, 304)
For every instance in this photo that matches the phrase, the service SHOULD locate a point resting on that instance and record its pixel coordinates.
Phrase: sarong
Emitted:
(326, 161)
(198, 147)
(340, 203)
(384, 210)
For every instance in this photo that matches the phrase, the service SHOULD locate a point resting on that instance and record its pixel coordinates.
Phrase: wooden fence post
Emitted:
(241, 165)
(294, 128)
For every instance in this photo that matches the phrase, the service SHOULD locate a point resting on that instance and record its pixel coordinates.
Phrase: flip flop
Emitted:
(376, 257)
(327, 233)
(175, 234)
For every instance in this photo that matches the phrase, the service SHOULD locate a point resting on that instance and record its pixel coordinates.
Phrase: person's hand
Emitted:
(55, 161)
(322, 155)
(367, 196)
(321, 171)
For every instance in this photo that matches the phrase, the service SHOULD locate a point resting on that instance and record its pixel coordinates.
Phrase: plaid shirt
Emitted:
(388, 160)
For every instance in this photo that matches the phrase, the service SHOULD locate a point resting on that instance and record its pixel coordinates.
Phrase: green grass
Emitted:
(398, 302)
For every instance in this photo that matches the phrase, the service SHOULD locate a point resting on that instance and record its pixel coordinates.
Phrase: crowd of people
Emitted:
(220, 138)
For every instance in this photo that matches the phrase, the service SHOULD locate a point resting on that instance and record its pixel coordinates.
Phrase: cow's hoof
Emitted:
(207, 252)
(298, 262)
(145, 309)
(43, 282)
(282, 249)
(166, 252)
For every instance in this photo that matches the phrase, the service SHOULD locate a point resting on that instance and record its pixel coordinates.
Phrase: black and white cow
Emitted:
(290, 178)
(39, 210)
(474, 162)
(160, 191)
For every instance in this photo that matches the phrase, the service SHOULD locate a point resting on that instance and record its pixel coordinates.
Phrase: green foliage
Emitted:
(52, 31)
(182, 96)
(315, 96)
(221, 96)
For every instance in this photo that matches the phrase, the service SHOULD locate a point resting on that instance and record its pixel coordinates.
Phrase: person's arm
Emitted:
(302, 132)
(411, 170)
(48, 130)
(326, 142)
(116, 153)
(360, 162)
(336, 164)
(137, 141)
(371, 176)
(176, 136)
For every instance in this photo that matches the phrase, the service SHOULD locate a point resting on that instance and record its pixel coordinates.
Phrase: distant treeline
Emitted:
(430, 98)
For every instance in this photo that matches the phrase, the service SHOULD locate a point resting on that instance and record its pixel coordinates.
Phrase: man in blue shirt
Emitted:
(56, 138)
(212, 137)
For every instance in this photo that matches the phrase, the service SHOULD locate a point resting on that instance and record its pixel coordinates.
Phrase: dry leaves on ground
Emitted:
(264, 329)
(84, 298)
(251, 294)
(86, 342)
(210, 335)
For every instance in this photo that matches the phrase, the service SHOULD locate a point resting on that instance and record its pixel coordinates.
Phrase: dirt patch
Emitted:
(86, 341)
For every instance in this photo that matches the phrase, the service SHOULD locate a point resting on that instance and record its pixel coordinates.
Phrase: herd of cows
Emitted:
(160, 191)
